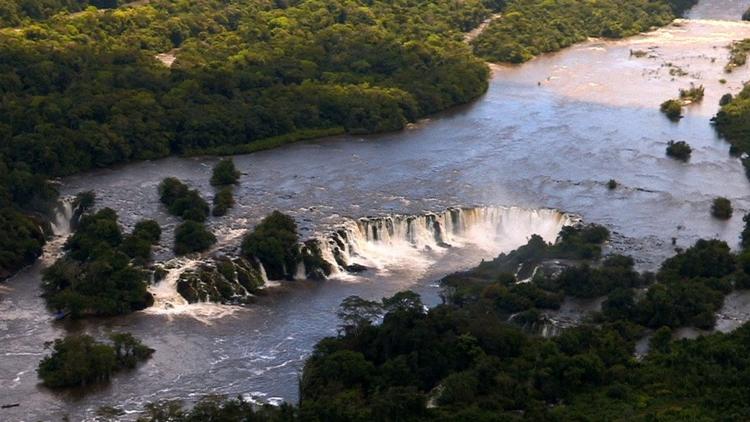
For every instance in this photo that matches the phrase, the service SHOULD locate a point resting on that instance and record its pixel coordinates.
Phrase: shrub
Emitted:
(672, 109)
(223, 200)
(148, 230)
(722, 208)
(679, 150)
(192, 236)
(138, 244)
(693, 94)
(725, 99)
(225, 173)
(181, 201)
(275, 243)
(612, 184)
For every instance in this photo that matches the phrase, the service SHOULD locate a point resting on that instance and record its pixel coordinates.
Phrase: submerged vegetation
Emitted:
(694, 94)
(224, 176)
(224, 173)
(274, 241)
(672, 109)
(79, 360)
(738, 51)
(721, 208)
(191, 235)
(679, 150)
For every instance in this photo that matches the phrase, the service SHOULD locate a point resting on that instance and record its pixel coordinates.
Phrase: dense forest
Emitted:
(475, 357)
(531, 27)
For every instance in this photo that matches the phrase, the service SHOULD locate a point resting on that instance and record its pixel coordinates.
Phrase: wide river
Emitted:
(548, 134)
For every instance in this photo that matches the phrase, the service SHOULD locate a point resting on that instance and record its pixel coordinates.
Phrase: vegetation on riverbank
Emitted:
(101, 272)
(531, 27)
(738, 51)
(80, 360)
(732, 122)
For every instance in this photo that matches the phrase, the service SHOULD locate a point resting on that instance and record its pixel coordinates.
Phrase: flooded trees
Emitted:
(721, 208)
(672, 109)
(101, 272)
(679, 150)
(80, 360)
(276, 244)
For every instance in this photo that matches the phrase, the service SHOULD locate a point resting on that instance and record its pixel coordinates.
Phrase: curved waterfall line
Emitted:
(397, 241)
(384, 241)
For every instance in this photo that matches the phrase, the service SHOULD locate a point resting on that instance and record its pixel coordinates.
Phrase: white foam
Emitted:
(168, 302)
(416, 242)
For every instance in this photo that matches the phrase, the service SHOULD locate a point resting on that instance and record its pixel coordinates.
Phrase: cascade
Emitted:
(381, 242)
(62, 223)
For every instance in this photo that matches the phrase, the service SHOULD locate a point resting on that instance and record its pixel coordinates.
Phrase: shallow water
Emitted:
(548, 134)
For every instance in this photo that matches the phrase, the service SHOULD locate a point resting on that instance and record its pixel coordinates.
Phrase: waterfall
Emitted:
(169, 302)
(62, 223)
(300, 274)
(382, 242)
(165, 292)
(62, 228)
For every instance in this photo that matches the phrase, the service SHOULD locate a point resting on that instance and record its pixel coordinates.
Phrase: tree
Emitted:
(672, 109)
(79, 360)
(223, 200)
(182, 201)
(679, 150)
(274, 241)
(224, 173)
(192, 236)
(721, 208)
(356, 313)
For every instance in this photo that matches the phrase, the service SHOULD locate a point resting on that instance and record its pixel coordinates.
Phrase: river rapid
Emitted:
(548, 134)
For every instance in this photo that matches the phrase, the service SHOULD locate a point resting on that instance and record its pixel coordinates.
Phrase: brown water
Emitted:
(548, 134)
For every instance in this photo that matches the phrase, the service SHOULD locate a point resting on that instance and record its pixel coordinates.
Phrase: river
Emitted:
(548, 134)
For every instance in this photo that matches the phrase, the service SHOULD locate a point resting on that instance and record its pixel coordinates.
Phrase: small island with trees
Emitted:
(80, 360)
